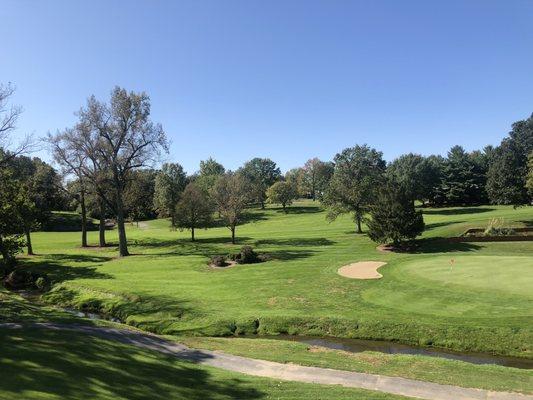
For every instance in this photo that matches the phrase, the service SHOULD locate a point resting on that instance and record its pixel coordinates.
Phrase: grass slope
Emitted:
(168, 288)
(42, 364)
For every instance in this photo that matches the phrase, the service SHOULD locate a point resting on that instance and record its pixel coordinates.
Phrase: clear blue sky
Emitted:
(282, 79)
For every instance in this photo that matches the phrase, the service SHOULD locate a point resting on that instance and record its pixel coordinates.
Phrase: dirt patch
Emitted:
(362, 270)
(229, 264)
(385, 248)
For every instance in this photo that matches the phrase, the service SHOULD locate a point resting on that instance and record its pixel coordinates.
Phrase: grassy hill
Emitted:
(484, 302)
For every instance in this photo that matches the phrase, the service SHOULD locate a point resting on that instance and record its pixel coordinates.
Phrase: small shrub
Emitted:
(19, 279)
(42, 283)
(248, 256)
(16, 279)
(234, 257)
(264, 257)
(219, 261)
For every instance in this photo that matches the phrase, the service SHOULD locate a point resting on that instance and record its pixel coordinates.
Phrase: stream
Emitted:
(360, 345)
(352, 345)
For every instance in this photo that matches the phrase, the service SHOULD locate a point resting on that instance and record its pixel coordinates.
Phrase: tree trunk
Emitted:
(173, 219)
(233, 234)
(262, 205)
(83, 219)
(27, 232)
(284, 209)
(122, 240)
(101, 228)
(358, 220)
(192, 233)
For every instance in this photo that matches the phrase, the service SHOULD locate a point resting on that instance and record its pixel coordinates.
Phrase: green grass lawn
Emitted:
(44, 364)
(484, 302)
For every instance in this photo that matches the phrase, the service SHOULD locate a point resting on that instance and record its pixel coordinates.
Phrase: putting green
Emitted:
(456, 286)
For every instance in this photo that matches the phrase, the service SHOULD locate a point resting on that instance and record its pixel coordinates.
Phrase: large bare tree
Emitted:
(9, 115)
(117, 138)
(67, 153)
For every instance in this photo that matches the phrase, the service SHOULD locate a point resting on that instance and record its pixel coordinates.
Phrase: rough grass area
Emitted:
(451, 372)
(167, 287)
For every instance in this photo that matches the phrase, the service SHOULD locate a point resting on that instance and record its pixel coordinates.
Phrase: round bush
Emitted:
(248, 255)
(219, 261)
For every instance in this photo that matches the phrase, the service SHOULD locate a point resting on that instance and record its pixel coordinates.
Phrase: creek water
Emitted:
(360, 345)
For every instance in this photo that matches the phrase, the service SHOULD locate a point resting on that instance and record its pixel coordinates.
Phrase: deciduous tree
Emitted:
(317, 175)
(358, 173)
(282, 193)
(119, 137)
(11, 196)
(9, 115)
(230, 194)
(169, 184)
(70, 155)
(194, 209)
(139, 195)
(209, 172)
(261, 173)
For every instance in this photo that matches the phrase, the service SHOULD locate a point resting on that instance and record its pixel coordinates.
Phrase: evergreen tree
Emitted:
(529, 180)
(506, 177)
(393, 218)
(462, 180)
(507, 172)
(416, 174)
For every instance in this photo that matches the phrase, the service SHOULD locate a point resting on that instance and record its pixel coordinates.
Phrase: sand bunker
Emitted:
(362, 270)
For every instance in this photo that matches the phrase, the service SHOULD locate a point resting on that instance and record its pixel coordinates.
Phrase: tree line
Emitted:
(106, 170)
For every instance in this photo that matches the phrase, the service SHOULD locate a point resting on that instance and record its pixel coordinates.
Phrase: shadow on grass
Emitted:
(182, 242)
(441, 224)
(457, 211)
(61, 267)
(66, 222)
(286, 255)
(246, 218)
(304, 242)
(79, 366)
(442, 245)
(299, 210)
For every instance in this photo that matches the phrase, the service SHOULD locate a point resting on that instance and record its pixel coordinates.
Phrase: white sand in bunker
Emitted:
(362, 270)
